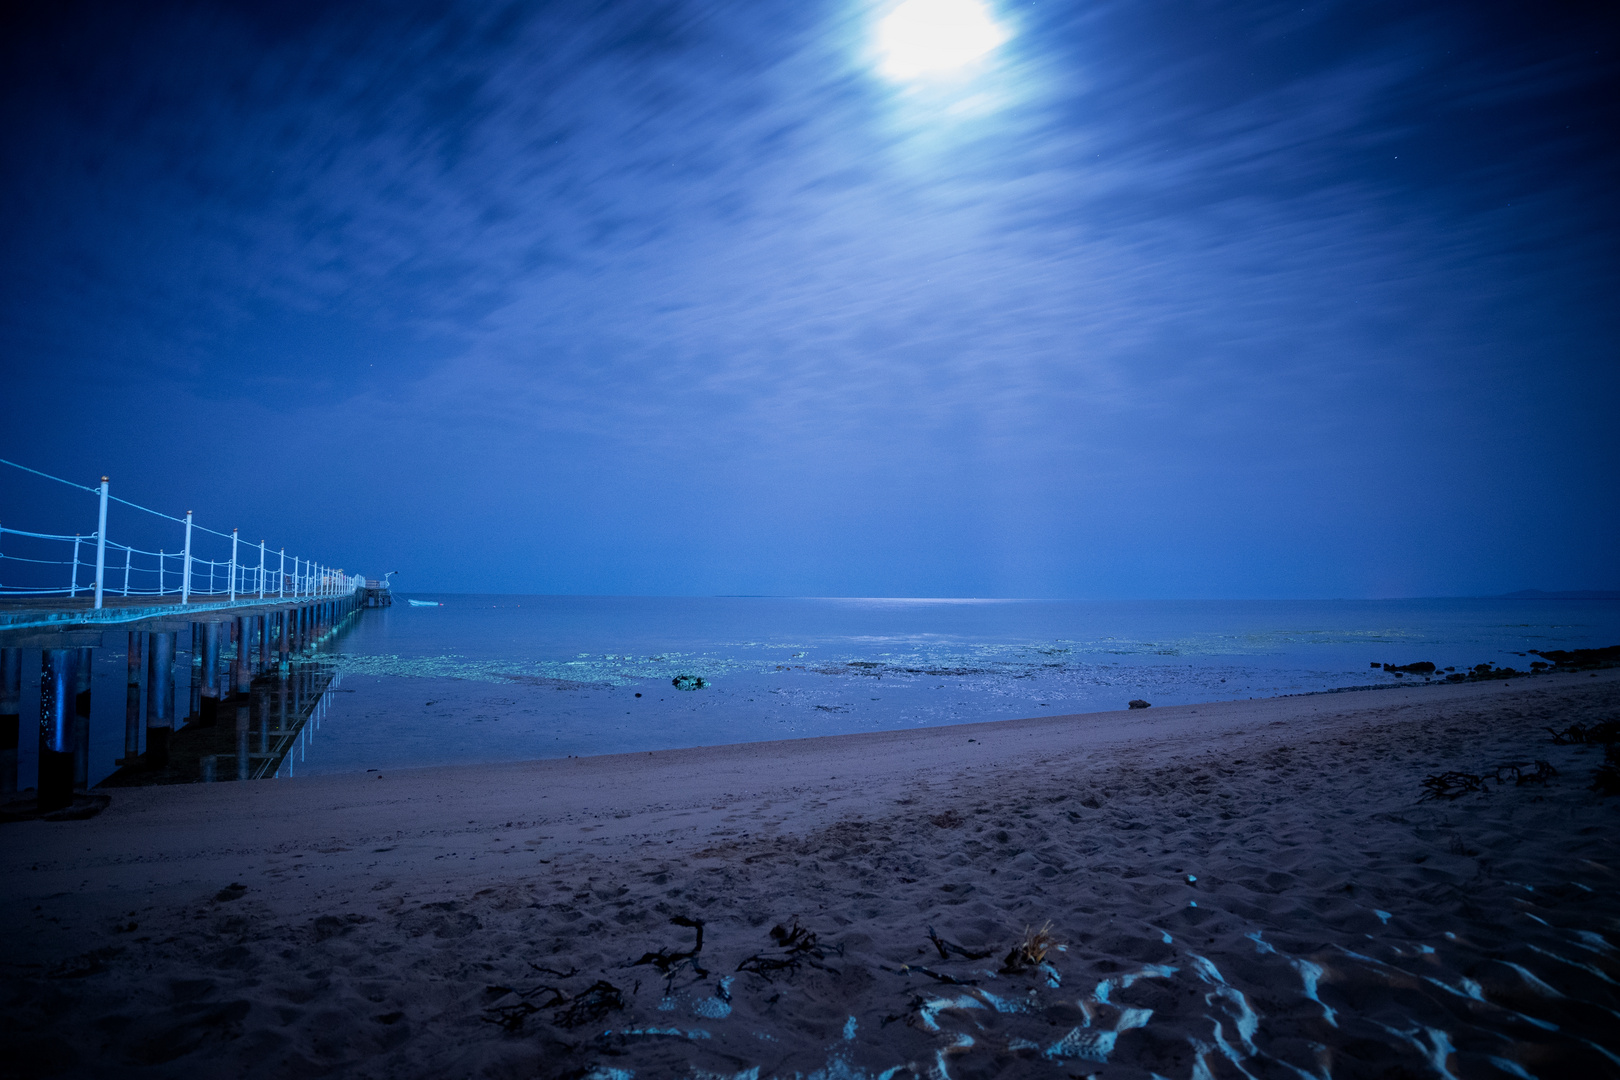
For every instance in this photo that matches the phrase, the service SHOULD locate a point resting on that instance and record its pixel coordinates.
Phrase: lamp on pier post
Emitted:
(185, 569)
(101, 542)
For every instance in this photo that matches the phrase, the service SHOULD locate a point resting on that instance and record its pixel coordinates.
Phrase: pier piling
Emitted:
(194, 701)
(160, 698)
(244, 722)
(242, 670)
(83, 669)
(132, 698)
(208, 712)
(10, 716)
(58, 681)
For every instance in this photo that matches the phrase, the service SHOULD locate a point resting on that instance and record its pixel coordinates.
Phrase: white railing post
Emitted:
(128, 552)
(281, 575)
(101, 542)
(185, 567)
(160, 571)
(261, 569)
(74, 590)
(233, 566)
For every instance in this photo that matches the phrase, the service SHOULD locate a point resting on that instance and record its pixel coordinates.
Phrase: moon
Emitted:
(931, 38)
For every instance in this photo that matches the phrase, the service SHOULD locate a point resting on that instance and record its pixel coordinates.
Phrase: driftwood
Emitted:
(937, 976)
(945, 948)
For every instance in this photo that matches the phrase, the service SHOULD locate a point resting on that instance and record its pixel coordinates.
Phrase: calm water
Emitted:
(490, 678)
(500, 677)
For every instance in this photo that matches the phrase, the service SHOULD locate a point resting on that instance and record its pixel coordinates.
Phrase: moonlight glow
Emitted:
(936, 37)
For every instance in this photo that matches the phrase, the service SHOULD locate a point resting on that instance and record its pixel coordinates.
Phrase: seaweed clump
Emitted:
(1455, 784)
(1606, 777)
(797, 946)
(1029, 952)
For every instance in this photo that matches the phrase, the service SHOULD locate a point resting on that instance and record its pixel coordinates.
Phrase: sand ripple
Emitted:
(1280, 905)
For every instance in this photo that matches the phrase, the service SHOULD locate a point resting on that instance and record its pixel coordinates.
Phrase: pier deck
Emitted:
(60, 622)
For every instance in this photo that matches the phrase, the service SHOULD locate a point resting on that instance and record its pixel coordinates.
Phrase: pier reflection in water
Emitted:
(264, 733)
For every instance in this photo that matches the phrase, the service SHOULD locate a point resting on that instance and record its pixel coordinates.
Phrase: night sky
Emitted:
(1152, 299)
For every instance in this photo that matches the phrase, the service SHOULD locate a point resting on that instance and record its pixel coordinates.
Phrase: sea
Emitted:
(485, 678)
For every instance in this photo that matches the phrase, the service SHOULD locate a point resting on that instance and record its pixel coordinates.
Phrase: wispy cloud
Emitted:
(1269, 238)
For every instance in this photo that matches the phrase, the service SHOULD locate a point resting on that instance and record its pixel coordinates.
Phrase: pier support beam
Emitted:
(160, 698)
(10, 716)
(58, 681)
(208, 711)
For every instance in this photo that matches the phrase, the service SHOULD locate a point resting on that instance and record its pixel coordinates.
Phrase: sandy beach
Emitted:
(1245, 888)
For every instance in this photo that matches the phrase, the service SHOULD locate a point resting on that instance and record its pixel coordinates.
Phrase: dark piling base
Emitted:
(81, 806)
(55, 780)
(157, 748)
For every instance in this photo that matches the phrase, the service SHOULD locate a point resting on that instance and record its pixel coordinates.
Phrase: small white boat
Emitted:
(424, 603)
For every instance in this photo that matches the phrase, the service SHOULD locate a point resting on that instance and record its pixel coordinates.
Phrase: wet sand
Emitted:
(1236, 888)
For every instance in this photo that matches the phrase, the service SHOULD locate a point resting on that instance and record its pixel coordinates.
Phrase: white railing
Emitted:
(122, 570)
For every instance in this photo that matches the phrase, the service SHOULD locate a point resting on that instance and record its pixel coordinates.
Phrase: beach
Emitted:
(1243, 887)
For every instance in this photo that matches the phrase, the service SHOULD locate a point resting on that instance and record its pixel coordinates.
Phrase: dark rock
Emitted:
(688, 682)
(1581, 658)
(1138, 703)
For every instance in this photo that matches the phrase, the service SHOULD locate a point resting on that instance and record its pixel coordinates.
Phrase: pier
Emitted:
(222, 669)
